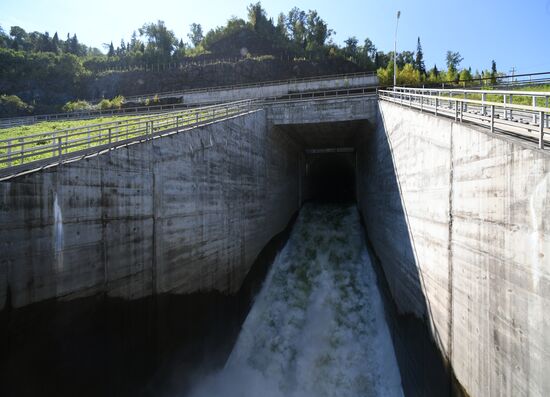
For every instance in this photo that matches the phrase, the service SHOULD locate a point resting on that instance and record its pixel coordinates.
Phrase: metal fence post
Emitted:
(59, 147)
(436, 104)
(493, 118)
(9, 153)
(109, 136)
(22, 149)
(483, 109)
(456, 110)
(541, 130)
(547, 115)
(534, 106)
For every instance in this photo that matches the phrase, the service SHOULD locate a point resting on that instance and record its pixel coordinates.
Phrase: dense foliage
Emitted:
(44, 69)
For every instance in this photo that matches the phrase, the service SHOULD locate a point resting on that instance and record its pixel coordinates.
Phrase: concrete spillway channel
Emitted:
(338, 247)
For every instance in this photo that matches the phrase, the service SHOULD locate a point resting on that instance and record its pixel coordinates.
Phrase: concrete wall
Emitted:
(460, 220)
(324, 110)
(184, 213)
(266, 91)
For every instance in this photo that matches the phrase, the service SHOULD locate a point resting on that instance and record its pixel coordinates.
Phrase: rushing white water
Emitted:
(317, 327)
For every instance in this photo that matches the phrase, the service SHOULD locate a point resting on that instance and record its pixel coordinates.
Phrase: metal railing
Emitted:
(82, 115)
(21, 153)
(528, 121)
(18, 154)
(88, 114)
(249, 85)
(320, 95)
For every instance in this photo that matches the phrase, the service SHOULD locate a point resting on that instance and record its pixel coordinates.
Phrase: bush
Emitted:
(76, 106)
(12, 105)
(115, 103)
(104, 104)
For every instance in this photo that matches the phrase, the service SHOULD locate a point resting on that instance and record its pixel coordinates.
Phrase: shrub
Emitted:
(12, 105)
(117, 102)
(104, 104)
(76, 106)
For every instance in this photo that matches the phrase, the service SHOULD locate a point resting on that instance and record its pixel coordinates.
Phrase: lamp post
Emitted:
(395, 52)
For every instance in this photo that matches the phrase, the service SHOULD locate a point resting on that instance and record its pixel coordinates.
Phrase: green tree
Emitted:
(74, 47)
(296, 24)
(317, 31)
(419, 60)
(196, 36)
(257, 18)
(453, 62)
(382, 59)
(434, 75)
(350, 50)
(281, 27)
(466, 77)
(494, 72)
(111, 51)
(121, 50)
(409, 75)
(19, 39)
(4, 39)
(160, 41)
(404, 58)
(55, 43)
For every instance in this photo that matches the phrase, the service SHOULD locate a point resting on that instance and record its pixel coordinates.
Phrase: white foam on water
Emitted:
(317, 328)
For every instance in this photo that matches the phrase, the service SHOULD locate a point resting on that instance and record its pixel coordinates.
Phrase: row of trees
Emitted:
(296, 33)
(411, 70)
(45, 70)
(19, 40)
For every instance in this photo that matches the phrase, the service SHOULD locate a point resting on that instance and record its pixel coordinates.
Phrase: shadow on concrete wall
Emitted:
(101, 346)
(424, 371)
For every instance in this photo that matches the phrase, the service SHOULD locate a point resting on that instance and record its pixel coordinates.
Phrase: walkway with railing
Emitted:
(89, 114)
(494, 109)
(92, 113)
(170, 94)
(19, 154)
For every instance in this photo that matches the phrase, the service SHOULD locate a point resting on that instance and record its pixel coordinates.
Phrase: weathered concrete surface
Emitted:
(324, 110)
(460, 221)
(184, 213)
(215, 95)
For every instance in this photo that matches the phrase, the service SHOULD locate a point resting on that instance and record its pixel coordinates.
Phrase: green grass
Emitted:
(45, 145)
(18, 133)
(50, 126)
(517, 100)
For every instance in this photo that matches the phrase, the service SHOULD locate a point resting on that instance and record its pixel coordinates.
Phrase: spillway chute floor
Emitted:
(317, 327)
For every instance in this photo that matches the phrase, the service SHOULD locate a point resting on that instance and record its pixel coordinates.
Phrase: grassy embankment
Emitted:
(517, 100)
(92, 132)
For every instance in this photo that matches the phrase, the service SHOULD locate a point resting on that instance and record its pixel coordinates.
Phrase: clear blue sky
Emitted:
(514, 33)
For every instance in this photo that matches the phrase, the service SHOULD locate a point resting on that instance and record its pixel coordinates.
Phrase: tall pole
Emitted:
(395, 52)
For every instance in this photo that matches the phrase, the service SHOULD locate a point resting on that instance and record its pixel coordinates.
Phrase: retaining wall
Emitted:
(460, 220)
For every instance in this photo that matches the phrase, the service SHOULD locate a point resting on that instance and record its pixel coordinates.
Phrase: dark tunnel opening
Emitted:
(329, 162)
(330, 176)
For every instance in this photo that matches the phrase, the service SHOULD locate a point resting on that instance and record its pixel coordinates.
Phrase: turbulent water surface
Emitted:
(317, 327)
